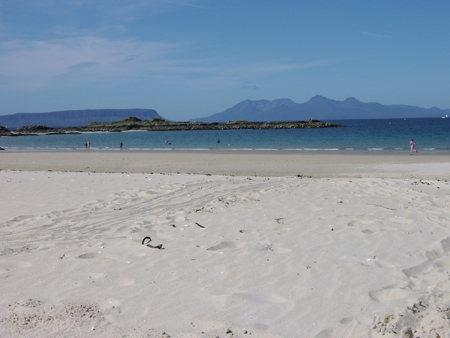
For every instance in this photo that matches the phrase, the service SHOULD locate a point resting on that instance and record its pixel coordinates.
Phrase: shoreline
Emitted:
(235, 163)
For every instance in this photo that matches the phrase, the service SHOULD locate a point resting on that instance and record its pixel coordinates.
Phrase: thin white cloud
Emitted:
(75, 60)
(34, 64)
(92, 53)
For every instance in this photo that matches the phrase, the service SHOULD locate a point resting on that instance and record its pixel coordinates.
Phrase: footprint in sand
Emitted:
(89, 255)
(446, 244)
(416, 269)
(388, 293)
(222, 245)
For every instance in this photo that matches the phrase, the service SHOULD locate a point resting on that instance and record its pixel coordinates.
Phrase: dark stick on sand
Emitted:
(159, 246)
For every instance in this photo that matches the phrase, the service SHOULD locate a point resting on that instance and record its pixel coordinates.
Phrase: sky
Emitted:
(194, 58)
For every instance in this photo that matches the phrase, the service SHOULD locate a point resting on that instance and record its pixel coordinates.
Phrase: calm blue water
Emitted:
(432, 135)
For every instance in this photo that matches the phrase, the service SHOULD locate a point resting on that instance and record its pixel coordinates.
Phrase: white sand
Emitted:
(347, 254)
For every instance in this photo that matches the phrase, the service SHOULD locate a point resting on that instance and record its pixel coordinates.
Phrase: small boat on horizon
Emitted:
(445, 117)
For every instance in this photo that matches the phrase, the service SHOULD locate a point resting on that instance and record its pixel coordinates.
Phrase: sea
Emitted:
(432, 135)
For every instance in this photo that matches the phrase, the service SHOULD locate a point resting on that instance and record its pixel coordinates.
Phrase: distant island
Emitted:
(158, 124)
(73, 118)
(317, 108)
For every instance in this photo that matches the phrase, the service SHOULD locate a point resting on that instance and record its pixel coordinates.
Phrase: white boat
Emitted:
(445, 117)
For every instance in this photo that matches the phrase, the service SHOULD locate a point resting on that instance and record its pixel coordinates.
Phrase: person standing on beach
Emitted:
(121, 145)
(412, 145)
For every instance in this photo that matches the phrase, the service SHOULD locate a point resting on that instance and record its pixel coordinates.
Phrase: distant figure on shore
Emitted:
(85, 145)
(88, 145)
(412, 145)
(121, 145)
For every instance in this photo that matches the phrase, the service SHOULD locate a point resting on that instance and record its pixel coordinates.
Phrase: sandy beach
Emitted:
(253, 244)
(233, 163)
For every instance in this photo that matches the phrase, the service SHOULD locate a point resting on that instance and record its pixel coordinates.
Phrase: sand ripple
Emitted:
(248, 256)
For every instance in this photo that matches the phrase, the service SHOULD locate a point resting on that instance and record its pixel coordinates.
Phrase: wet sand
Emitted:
(233, 163)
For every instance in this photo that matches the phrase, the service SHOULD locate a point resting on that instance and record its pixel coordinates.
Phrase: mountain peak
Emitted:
(318, 98)
(320, 108)
(351, 100)
(283, 101)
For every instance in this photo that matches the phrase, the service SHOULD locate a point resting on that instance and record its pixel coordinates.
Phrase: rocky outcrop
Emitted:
(163, 125)
(4, 131)
(34, 129)
(157, 124)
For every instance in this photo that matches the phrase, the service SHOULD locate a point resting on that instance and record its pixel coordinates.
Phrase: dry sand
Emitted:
(253, 245)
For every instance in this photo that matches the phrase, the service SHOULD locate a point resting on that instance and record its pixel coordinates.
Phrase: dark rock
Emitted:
(33, 129)
(156, 124)
(4, 131)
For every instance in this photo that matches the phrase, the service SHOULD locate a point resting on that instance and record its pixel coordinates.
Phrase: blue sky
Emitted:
(194, 58)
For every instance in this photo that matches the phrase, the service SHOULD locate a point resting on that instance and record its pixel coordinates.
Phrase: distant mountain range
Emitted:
(319, 108)
(74, 118)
